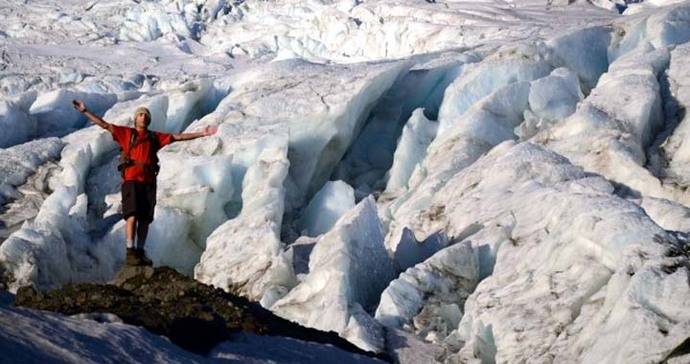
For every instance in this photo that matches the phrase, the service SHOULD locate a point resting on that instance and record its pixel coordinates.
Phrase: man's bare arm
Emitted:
(81, 107)
(209, 130)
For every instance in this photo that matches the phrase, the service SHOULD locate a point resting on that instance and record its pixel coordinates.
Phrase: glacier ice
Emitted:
(325, 208)
(675, 148)
(622, 128)
(55, 114)
(57, 240)
(411, 149)
(15, 116)
(551, 99)
(348, 269)
(19, 162)
(245, 254)
(371, 154)
(584, 51)
(662, 28)
(439, 286)
(487, 122)
(510, 252)
(513, 64)
(539, 269)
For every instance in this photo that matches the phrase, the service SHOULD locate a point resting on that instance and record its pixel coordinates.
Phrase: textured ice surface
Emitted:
(19, 162)
(481, 108)
(244, 254)
(411, 150)
(578, 262)
(551, 99)
(16, 123)
(351, 31)
(325, 208)
(348, 270)
(430, 296)
(676, 148)
(584, 51)
(618, 120)
(511, 252)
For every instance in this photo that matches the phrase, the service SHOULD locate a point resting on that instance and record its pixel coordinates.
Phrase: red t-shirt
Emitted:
(140, 153)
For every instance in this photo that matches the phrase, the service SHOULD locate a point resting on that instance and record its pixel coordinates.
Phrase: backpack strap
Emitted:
(126, 161)
(155, 167)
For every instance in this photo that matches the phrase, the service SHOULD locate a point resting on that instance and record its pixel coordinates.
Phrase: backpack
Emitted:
(126, 161)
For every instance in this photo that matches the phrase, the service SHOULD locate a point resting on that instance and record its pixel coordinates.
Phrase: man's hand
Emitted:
(210, 130)
(79, 105)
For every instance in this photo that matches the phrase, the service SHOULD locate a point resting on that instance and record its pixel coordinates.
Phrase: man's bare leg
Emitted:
(129, 231)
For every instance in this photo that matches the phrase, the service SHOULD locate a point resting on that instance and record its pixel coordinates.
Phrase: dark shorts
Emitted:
(138, 199)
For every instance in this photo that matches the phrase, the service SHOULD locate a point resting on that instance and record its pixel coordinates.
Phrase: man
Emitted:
(139, 167)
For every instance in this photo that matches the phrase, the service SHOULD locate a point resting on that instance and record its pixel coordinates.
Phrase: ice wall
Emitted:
(481, 108)
(348, 270)
(371, 154)
(17, 124)
(244, 254)
(576, 264)
(616, 122)
(19, 162)
(326, 207)
(676, 148)
(55, 114)
(411, 150)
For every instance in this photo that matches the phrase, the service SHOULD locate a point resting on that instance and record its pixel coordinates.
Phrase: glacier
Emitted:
(434, 181)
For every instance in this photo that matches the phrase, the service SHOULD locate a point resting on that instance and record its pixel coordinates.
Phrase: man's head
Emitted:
(142, 117)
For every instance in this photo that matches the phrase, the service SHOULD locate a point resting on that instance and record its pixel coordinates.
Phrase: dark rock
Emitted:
(5, 278)
(191, 314)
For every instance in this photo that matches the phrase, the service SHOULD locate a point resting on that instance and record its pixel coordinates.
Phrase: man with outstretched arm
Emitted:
(139, 168)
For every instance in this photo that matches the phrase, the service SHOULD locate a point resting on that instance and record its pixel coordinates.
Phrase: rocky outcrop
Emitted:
(191, 314)
(5, 278)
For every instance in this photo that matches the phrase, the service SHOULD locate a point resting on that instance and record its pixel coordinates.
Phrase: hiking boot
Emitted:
(137, 257)
(132, 258)
(143, 259)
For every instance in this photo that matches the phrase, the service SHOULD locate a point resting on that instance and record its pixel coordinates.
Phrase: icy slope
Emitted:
(350, 31)
(574, 265)
(348, 269)
(473, 181)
